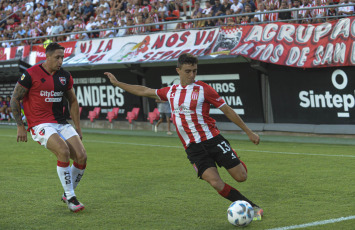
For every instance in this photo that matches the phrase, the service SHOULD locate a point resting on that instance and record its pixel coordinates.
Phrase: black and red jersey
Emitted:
(44, 101)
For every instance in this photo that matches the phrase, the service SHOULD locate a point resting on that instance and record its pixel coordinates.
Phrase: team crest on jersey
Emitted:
(23, 77)
(42, 132)
(63, 80)
(172, 95)
(194, 95)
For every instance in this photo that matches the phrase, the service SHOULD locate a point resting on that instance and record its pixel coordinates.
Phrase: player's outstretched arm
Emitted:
(74, 110)
(138, 90)
(17, 96)
(235, 118)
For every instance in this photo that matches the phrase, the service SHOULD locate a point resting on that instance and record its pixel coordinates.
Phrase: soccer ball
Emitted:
(240, 213)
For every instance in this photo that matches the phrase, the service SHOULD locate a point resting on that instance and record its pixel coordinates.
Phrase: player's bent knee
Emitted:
(82, 157)
(63, 152)
(242, 177)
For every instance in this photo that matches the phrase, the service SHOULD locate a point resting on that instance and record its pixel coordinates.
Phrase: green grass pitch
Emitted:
(143, 180)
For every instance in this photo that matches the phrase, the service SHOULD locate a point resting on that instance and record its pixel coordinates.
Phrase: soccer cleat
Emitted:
(169, 133)
(64, 198)
(258, 213)
(74, 205)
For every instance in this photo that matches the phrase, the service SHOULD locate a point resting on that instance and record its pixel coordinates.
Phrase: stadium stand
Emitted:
(34, 18)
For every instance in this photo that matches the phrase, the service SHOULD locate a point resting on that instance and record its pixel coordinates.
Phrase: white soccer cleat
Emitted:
(74, 205)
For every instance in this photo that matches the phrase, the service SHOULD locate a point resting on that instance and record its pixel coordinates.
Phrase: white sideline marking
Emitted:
(180, 147)
(247, 150)
(323, 222)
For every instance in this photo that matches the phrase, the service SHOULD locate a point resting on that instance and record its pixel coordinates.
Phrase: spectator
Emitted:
(185, 25)
(162, 10)
(3, 107)
(39, 8)
(306, 13)
(147, 6)
(208, 8)
(345, 10)
(69, 26)
(200, 23)
(271, 16)
(252, 5)
(296, 14)
(284, 15)
(5, 43)
(237, 7)
(209, 22)
(217, 8)
(260, 17)
(88, 10)
(122, 31)
(197, 9)
(110, 32)
(49, 28)
(319, 14)
(28, 7)
(225, 6)
(331, 12)
(92, 24)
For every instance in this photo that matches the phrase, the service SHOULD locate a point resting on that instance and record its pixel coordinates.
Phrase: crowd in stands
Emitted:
(34, 18)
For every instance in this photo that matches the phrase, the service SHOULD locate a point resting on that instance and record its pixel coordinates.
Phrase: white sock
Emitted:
(12, 116)
(77, 172)
(64, 173)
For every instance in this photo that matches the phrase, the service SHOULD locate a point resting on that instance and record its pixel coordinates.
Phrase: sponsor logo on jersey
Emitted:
(23, 77)
(194, 95)
(63, 80)
(183, 110)
(52, 96)
(42, 132)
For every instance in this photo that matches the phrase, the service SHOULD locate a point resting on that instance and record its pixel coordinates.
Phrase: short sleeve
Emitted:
(71, 82)
(162, 93)
(213, 97)
(25, 80)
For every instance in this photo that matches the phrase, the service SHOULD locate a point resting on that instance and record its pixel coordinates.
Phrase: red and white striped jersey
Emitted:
(190, 108)
(272, 17)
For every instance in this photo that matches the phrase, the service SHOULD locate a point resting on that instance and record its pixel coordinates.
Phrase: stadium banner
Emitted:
(142, 48)
(40, 51)
(295, 45)
(327, 97)
(93, 89)
(16, 52)
(326, 44)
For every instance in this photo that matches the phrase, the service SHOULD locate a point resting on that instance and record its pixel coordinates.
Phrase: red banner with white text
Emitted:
(295, 45)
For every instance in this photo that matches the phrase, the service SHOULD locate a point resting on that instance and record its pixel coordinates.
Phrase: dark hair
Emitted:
(53, 46)
(186, 58)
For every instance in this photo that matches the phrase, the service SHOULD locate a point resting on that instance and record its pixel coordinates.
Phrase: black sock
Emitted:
(233, 194)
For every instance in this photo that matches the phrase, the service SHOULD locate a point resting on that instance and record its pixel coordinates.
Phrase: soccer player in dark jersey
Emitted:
(205, 147)
(42, 89)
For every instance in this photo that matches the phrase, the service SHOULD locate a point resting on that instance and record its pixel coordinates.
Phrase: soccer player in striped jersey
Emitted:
(205, 147)
(43, 88)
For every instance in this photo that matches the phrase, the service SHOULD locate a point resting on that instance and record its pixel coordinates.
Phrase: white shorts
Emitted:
(42, 132)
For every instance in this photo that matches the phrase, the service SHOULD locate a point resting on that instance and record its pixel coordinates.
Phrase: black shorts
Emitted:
(208, 153)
